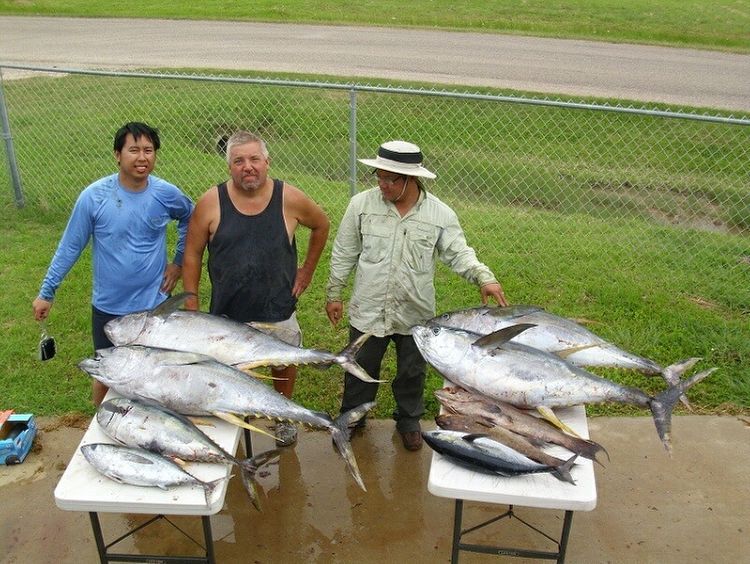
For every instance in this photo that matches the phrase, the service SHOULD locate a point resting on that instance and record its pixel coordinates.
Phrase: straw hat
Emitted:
(400, 157)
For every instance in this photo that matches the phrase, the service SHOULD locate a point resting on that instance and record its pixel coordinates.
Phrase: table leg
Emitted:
(457, 518)
(209, 539)
(567, 523)
(100, 547)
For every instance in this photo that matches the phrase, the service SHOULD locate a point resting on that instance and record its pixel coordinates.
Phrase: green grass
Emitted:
(719, 24)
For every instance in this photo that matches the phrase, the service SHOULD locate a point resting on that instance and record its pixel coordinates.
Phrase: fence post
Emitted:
(9, 149)
(352, 142)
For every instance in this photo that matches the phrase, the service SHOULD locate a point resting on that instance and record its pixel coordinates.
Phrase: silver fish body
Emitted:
(550, 333)
(228, 341)
(530, 378)
(138, 467)
(483, 453)
(194, 384)
(154, 428)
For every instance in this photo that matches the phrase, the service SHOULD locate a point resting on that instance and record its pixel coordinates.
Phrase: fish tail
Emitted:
(347, 360)
(673, 373)
(662, 405)
(209, 487)
(250, 467)
(562, 472)
(340, 434)
(589, 449)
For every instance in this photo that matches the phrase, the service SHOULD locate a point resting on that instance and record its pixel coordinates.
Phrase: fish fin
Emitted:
(340, 433)
(501, 336)
(247, 370)
(346, 359)
(180, 358)
(209, 487)
(234, 420)
(170, 305)
(550, 416)
(673, 373)
(181, 463)
(201, 421)
(562, 472)
(565, 353)
(250, 467)
(662, 405)
(471, 437)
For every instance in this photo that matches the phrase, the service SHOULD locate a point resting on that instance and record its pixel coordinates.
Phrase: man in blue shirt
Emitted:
(126, 216)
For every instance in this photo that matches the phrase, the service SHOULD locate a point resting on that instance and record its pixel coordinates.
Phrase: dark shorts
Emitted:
(98, 320)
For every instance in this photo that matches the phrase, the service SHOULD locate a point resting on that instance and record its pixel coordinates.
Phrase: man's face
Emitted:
(391, 184)
(136, 160)
(248, 167)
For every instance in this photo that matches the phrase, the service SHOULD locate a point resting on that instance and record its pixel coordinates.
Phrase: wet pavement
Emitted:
(693, 507)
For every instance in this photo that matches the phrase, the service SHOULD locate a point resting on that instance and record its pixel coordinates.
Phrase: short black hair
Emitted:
(136, 129)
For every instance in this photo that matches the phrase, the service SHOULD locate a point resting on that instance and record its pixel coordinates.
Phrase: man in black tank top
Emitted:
(248, 225)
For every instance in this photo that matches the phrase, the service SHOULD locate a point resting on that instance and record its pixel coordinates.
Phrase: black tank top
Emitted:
(251, 264)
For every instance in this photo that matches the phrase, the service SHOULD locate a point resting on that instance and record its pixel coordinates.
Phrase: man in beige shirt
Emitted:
(392, 235)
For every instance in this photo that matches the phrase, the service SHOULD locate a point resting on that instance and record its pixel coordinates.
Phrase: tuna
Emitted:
(138, 467)
(228, 341)
(479, 452)
(558, 335)
(194, 384)
(530, 378)
(154, 428)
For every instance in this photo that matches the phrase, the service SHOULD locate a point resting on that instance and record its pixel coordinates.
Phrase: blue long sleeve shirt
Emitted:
(129, 249)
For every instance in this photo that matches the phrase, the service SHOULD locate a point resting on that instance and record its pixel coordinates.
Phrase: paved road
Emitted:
(650, 74)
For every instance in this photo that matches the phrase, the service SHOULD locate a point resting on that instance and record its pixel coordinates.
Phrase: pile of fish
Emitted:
(522, 357)
(169, 363)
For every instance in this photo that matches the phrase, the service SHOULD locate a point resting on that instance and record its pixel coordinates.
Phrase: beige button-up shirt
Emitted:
(395, 259)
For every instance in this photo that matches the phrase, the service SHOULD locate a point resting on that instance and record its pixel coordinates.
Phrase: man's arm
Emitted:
(199, 231)
(181, 210)
(346, 250)
(74, 239)
(310, 215)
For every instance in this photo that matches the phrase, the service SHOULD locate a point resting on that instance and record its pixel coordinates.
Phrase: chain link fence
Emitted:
(536, 182)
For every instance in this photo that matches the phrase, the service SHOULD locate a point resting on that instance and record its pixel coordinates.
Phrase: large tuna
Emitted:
(558, 335)
(527, 377)
(194, 384)
(228, 341)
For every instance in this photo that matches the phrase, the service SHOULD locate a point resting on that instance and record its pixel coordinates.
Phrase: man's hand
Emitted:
(335, 311)
(496, 291)
(302, 280)
(41, 308)
(171, 275)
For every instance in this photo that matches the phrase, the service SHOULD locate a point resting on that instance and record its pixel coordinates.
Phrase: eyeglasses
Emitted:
(387, 182)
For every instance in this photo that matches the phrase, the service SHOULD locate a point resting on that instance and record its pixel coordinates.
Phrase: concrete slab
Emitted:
(693, 507)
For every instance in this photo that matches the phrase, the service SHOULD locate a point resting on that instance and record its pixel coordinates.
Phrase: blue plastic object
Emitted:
(19, 431)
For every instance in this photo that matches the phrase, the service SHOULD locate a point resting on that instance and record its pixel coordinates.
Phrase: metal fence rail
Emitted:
(579, 178)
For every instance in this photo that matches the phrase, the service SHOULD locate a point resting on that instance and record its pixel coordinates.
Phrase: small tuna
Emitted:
(479, 452)
(154, 428)
(138, 467)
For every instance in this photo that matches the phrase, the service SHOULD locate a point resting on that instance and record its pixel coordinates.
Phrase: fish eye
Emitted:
(436, 331)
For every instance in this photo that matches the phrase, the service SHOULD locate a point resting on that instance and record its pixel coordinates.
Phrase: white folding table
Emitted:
(82, 488)
(448, 479)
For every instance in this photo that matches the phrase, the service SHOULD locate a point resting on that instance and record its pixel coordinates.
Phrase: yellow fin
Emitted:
(550, 416)
(234, 420)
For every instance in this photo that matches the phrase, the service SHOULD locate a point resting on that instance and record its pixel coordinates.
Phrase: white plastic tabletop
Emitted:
(82, 488)
(448, 479)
